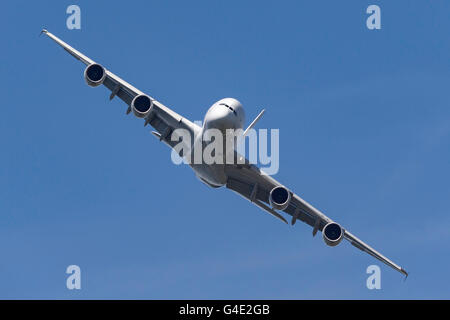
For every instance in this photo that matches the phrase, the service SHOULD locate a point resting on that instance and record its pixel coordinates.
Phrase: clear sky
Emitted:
(364, 119)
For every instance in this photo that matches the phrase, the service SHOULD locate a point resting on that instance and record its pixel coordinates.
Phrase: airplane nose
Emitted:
(221, 118)
(222, 112)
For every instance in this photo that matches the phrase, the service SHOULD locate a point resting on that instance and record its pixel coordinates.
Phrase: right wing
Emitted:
(253, 184)
(163, 119)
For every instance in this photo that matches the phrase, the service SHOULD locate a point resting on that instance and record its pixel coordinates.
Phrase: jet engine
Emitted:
(279, 198)
(141, 105)
(332, 234)
(94, 75)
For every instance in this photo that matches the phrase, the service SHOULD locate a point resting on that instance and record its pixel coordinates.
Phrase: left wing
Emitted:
(163, 119)
(253, 184)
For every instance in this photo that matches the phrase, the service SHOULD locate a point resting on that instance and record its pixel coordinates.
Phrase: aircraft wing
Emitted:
(253, 184)
(163, 119)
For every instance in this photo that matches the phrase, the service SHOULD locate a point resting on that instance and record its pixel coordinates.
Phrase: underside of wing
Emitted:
(251, 183)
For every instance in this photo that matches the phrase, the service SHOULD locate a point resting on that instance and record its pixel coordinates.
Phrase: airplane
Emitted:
(244, 178)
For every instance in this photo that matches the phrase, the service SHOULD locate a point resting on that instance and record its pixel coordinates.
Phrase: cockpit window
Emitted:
(224, 104)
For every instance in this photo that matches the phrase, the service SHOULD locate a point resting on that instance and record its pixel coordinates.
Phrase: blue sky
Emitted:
(364, 125)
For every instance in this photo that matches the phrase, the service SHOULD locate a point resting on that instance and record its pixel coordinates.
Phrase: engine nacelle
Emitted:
(332, 234)
(141, 105)
(279, 198)
(94, 75)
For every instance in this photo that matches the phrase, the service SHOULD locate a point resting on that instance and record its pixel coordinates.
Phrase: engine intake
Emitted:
(94, 75)
(279, 198)
(332, 234)
(141, 105)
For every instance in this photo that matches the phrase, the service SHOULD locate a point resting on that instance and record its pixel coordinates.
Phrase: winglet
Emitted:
(43, 31)
(403, 271)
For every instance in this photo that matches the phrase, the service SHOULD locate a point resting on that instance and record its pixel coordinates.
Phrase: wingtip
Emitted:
(43, 31)
(406, 274)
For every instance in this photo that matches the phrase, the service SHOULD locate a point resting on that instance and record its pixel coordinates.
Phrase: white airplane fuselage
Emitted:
(225, 114)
